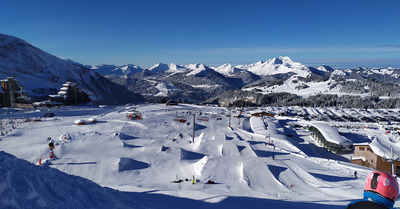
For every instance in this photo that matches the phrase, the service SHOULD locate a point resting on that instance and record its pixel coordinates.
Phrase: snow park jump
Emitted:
(154, 163)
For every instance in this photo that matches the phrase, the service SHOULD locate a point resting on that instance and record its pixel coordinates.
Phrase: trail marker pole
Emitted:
(40, 158)
(230, 115)
(194, 121)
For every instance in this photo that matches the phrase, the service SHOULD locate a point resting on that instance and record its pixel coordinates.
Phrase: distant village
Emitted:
(12, 95)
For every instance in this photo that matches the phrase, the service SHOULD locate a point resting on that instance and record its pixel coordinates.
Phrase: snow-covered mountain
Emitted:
(42, 74)
(227, 69)
(384, 75)
(123, 70)
(277, 65)
(276, 75)
(167, 68)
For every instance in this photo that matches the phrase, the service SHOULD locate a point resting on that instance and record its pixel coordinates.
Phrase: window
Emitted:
(361, 148)
(397, 170)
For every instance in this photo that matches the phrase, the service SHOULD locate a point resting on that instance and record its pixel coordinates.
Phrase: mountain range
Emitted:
(42, 73)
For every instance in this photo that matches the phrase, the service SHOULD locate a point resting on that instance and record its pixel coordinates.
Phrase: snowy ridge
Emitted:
(167, 68)
(124, 70)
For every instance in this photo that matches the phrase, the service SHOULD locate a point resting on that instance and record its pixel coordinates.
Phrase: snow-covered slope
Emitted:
(196, 69)
(25, 185)
(42, 73)
(254, 163)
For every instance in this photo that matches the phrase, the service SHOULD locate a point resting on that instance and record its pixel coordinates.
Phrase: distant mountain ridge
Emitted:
(198, 82)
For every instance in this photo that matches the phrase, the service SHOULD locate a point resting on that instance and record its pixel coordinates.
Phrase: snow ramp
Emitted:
(227, 171)
(259, 177)
(246, 126)
(258, 126)
(300, 181)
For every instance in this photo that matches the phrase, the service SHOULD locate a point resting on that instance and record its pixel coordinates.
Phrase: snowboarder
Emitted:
(355, 174)
(381, 191)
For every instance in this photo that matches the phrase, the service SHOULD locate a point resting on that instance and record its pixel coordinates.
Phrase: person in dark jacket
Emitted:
(381, 191)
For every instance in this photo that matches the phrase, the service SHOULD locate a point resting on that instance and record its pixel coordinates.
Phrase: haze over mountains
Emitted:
(278, 78)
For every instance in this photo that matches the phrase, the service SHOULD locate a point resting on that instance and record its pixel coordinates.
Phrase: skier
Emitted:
(381, 191)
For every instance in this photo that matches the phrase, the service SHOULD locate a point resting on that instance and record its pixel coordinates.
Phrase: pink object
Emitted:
(382, 183)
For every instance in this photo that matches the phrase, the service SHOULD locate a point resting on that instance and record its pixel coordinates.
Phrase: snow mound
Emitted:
(25, 185)
(188, 155)
(127, 164)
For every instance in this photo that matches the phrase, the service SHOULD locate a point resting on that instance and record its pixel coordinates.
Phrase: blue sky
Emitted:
(339, 33)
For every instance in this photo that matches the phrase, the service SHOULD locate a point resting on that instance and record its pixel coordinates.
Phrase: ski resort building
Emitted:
(330, 138)
(260, 114)
(70, 94)
(377, 156)
(13, 96)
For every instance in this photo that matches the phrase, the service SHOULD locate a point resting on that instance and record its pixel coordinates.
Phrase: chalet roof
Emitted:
(383, 148)
(331, 134)
(361, 144)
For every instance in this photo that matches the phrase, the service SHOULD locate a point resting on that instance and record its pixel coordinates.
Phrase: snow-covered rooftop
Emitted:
(331, 134)
(383, 148)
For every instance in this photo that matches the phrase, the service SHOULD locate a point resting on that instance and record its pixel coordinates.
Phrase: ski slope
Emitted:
(152, 162)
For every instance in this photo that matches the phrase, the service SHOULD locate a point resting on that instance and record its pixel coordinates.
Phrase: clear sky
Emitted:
(339, 33)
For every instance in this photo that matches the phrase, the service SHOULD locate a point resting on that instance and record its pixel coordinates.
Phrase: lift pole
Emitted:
(194, 121)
